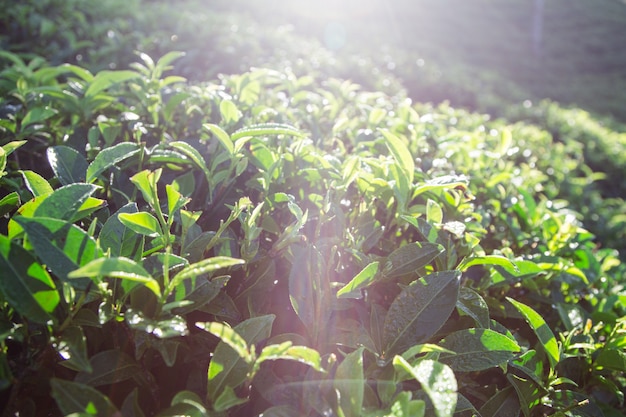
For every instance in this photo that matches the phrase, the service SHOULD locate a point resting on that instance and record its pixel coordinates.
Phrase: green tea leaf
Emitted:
(108, 367)
(229, 111)
(266, 129)
(350, 382)
(401, 154)
(175, 201)
(309, 290)
(434, 213)
(109, 157)
(477, 350)
(164, 328)
(195, 156)
(203, 267)
(130, 272)
(62, 246)
(222, 136)
(286, 351)
(68, 165)
(65, 202)
(119, 239)
(409, 258)
(475, 306)
(146, 182)
(613, 359)
(72, 397)
(72, 347)
(227, 368)
(9, 203)
(142, 223)
(362, 280)
(38, 115)
(403, 406)
(36, 184)
(230, 337)
(437, 381)
(420, 310)
(105, 79)
(503, 404)
(25, 284)
(228, 399)
(541, 329)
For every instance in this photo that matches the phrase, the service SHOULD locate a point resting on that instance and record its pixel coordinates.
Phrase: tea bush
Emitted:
(279, 244)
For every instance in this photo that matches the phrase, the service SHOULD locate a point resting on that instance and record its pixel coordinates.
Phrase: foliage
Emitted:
(273, 244)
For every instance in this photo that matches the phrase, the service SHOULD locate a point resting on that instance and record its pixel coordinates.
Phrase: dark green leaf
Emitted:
(108, 367)
(420, 310)
(528, 393)
(65, 202)
(503, 404)
(477, 350)
(119, 239)
(409, 258)
(72, 346)
(25, 284)
(109, 157)
(613, 359)
(62, 246)
(72, 397)
(68, 165)
(349, 381)
(472, 304)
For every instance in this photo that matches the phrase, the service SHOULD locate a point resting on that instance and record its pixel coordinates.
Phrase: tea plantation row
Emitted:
(281, 242)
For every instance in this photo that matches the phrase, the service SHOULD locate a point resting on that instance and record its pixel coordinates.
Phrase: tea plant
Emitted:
(269, 244)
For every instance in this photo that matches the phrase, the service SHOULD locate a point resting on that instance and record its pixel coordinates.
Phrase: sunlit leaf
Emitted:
(65, 202)
(62, 246)
(25, 284)
(541, 329)
(203, 267)
(477, 350)
(230, 337)
(109, 157)
(142, 223)
(437, 380)
(105, 79)
(362, 280)
(401, 153)
(229, 111)
(130, 272)
(227, 368)
(36, 184)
